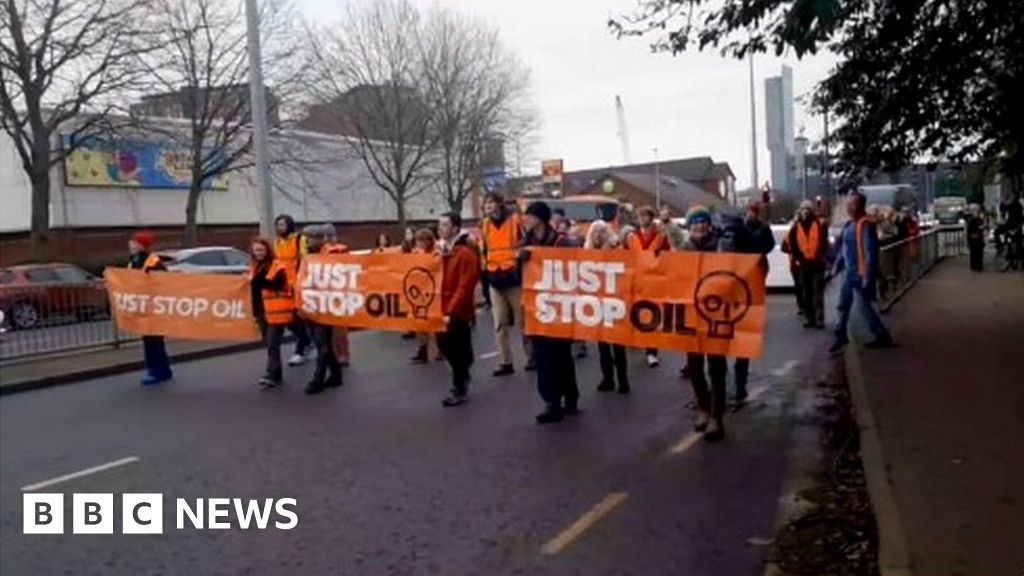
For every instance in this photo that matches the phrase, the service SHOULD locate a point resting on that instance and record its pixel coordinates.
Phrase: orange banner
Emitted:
(691, 301)
(187, 306)
(377, 291)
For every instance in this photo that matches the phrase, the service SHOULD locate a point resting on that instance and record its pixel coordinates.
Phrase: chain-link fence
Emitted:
(904, 262)
(44, 317)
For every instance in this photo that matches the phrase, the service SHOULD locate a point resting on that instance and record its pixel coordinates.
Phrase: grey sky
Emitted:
(690, 105)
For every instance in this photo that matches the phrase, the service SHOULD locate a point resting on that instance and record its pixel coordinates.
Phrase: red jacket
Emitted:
(461, 274)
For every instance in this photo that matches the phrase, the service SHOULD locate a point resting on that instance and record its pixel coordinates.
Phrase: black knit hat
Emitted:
(540, 210)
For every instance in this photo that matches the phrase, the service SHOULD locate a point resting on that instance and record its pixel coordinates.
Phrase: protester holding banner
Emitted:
(614, 361)
(754, 237)
(426, 243)
(556, 370)
(383, 243)
(158, 365)
(502, 237)
(289, 246)
(273, 305)
(673, 233)
(648, 236)
(458, 293)
(327, 374)
(710, 406)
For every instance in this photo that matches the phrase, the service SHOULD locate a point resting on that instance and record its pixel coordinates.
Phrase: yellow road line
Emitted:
(593, 516)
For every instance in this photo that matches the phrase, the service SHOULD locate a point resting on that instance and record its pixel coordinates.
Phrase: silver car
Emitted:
(207, 260)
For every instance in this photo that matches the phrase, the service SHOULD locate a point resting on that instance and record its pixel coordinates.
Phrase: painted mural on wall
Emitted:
(97, 162)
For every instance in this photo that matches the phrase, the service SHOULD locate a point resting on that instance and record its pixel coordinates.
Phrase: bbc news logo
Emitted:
(144, 513)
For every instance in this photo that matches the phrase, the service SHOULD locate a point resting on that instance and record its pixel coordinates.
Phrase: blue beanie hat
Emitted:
(698, 214)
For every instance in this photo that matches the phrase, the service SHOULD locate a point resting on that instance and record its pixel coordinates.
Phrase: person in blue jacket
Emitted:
(858, 255)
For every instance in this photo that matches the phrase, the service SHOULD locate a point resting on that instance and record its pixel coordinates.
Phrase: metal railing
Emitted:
(54, 317)
(904, 262)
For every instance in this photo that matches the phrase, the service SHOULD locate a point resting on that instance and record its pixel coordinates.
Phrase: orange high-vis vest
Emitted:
(639, 241)
(278, 305)
(809, 243)
(289, 252)
(501, 243)
(862, 260)
(152, 262)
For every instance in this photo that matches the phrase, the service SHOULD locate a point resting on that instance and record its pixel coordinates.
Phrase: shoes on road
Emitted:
(652, 360)
(684, 372)
(296, 360)
(267, 382)
(421, 355)
(838, 346)
(549, 416)
(504, 370)
(701, 424)
(315, 388)
(572, 407)
(606, 386)
(153, 380)
(530, 365)
(333, 382)
(715, 431)
(454, 400)
(623, 388)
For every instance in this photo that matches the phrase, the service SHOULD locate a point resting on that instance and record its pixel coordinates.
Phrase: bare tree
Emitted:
(372, 75)
(203, 65)
(478, 91)
(62, 62)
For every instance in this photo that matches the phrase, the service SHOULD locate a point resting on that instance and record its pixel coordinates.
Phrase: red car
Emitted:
(32, 293)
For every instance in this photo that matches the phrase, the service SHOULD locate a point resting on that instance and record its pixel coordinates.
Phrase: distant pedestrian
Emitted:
(458, 301)
(502, 235)
(754, 237)
(273, 305)
(383, 242)
(976, 238)
(556, 370)
(858, 256)
(648, 236)
(710, 405)
(808, 246)
(158, 365)
(327, 373)
(409, 240)
(289, 247)
(614, 361)
(426, 243)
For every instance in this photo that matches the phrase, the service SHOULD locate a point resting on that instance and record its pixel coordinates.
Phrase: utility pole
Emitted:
(753, 127)
(657, 180)
(827, 160)
(258, 117)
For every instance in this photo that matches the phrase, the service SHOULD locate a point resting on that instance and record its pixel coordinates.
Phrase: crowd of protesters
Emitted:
(495, 261)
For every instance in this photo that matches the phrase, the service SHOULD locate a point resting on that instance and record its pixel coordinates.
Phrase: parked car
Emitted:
(206, 260)
(32, 293)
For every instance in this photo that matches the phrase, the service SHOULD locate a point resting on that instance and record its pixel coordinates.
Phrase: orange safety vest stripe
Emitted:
(809, 243)
(656, 242)
(501, 242)
(862, 260)
(153, 261)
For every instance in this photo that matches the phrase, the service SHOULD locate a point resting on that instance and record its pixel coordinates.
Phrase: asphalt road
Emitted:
(389, 482)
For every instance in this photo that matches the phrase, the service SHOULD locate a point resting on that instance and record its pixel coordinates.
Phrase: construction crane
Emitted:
(623, 135)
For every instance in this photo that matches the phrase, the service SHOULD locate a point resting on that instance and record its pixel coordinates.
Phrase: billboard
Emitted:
(97, 162)
(551, 176)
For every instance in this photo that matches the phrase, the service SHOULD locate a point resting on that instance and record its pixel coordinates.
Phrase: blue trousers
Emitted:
(853, 289)
(157, 364)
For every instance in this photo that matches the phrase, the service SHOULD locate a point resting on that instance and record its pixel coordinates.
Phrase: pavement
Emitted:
(389, 482)
(942, 421)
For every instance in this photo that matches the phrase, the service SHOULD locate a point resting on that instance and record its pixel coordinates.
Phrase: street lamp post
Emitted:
(258, 117)
(657, 180)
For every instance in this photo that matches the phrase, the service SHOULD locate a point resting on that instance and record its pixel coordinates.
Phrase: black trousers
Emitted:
(811, 286)
(712, 402)
(977, 252)
(556, 371)
(797, 290)
(327, 366)
(456, 344)
(272, 336)
(613, 363)
(301, 330)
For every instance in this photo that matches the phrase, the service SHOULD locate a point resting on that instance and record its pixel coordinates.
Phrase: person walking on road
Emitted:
(273, 306)
(458, 292)
(327, 373)
(710, 405)
(807, 242)
(289, 247)
(648, 236)
(556, 369)
(858, 256)
(754, 237)
(502, 236)
(614, 362)
(158, 365)
(976, 238)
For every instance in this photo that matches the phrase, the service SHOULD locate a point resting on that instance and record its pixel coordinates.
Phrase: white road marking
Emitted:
(490, 354)
(80, 473)
(593, 516)
(785, 369)
(685, 443)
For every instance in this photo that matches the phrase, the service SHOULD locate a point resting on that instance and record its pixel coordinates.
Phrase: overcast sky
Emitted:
(694, 104)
